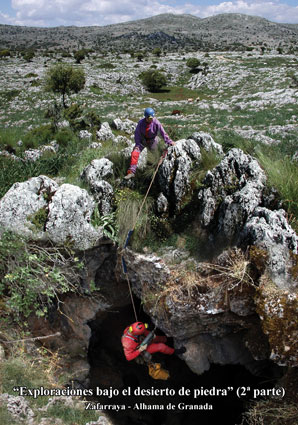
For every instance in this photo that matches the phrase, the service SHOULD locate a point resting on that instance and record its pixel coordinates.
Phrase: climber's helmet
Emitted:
(149, 113)
(138, 328)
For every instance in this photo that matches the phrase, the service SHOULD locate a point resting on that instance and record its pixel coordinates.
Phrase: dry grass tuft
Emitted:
(233, 271)
(271, 412)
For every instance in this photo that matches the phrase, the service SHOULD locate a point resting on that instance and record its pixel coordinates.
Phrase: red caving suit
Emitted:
(130, 342)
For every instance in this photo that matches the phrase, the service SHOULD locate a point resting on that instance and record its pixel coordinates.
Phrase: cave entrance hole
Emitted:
(110, 369)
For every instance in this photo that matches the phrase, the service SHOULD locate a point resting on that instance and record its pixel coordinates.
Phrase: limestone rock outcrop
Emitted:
(41, 209)
(98, 169)
(18, 407)
(205, 141)
(232, 191)
(105, 132)
(126, 125)
(95, 174)
(173, 175)
(270, 232)
(103, 193)
(69, 218)
(23, 201)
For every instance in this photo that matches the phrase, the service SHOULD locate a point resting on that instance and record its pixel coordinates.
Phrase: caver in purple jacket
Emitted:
(146, 136)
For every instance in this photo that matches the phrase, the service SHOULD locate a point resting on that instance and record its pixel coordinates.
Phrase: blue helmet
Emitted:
(149, 112)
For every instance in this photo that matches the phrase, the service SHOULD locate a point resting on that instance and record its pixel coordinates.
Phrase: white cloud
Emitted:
(104, 12)
(272, 10)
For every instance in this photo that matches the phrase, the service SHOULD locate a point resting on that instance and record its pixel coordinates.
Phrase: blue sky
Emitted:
(47, 13)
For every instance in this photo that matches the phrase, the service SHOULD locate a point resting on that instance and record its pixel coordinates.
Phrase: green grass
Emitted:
(283, 175)
(5, 417)
(229, 140)
(49, 164)
(18, 371)
(264, 61)
(10, 136)
(82, 157)
(13, 171)
(69, 415)
(32, 372)
(9, 95)
(174, 93)
(128, 206)
(96, 90)
(268, 116)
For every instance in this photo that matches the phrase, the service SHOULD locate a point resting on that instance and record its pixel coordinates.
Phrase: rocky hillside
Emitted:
(213, 259)
(231, 31)
(236, 306)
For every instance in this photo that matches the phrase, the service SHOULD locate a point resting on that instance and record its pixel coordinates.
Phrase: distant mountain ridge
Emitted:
(168, 31)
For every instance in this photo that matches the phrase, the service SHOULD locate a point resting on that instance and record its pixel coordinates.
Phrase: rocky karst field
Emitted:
(213, 259)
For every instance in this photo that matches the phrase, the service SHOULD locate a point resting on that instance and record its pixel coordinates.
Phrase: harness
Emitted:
(135, 339)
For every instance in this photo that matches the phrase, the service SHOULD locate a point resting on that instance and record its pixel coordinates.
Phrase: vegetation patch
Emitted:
(128, 203)
(174, 93)
(9, 95)
(106, 65)
(31, 75)
(41, 368)
(39, 219)
(283, 175)
(191, 286)
(33, 276)
(271, 412)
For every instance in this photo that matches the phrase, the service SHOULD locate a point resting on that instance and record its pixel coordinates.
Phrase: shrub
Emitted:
(33, 276)
(38, 136)
(79, 55)
(157, 51)
(28, 55)
(192, 63)
(54, 114)
(107, 65)
(4, 53)
(93, 120)
(140, 56)
(66, 55)
(271, 412)
(31, 75)
(153, 80)
(74, 115)
(10, 94)
(64, 79)
(64, 136)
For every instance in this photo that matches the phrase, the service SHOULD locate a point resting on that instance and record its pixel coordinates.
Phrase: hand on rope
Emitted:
(143, 347)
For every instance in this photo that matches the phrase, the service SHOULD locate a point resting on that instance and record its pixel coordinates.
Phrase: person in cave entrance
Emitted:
(132, 339)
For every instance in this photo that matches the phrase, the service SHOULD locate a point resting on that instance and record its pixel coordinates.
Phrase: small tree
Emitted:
(65, 79)
(140, 56)
(154, 80)
(4, 53)
(192, 63)
(79, 55)
(157, 51)
(28, 55)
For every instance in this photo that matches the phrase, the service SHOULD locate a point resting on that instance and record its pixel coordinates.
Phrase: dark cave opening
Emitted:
(109, 369)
